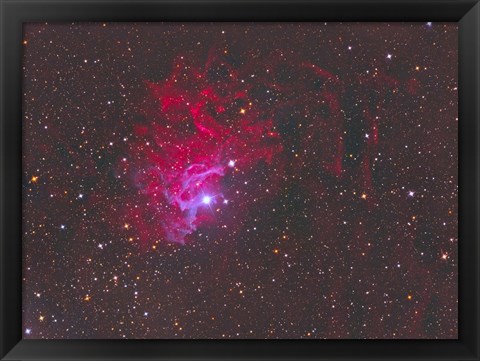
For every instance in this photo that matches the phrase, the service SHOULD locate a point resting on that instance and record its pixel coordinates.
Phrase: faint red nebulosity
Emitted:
(201, 119)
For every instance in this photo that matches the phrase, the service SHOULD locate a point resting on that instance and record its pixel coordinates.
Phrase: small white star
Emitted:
(225, 201)
(411, 193)
(231, 163)
(62, 226)
(429, 24)
(389, 56)
(28, 331)
(80, 196)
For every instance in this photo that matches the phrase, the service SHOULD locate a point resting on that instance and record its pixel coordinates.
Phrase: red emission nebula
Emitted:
(204, 124)
(240, 180)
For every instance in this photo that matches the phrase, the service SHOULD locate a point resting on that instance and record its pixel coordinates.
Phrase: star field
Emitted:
(239, 180)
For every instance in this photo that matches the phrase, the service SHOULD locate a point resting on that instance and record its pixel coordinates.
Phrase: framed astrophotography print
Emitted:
(239, 180)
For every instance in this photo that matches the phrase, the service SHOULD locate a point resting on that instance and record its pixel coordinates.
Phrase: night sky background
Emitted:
(239, 180)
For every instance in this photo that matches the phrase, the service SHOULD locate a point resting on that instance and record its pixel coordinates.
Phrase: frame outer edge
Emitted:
(476, 10)
(3, 308)
(475, 88)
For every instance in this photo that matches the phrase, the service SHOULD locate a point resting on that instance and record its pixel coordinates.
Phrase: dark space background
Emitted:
(239, 180)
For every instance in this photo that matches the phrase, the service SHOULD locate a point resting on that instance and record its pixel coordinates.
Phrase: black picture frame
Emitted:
(15, 12)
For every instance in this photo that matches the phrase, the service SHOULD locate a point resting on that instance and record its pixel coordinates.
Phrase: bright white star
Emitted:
(231, 163)
(206, 199)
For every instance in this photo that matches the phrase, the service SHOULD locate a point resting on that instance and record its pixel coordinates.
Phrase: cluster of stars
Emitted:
(222, 181)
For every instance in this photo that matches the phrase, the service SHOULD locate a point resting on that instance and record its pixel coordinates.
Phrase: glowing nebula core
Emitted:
(198, 121)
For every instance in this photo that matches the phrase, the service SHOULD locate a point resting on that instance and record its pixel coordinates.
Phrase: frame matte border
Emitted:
(15, 12)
